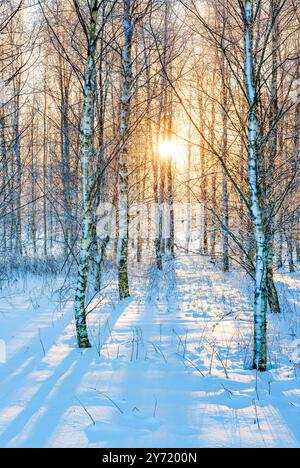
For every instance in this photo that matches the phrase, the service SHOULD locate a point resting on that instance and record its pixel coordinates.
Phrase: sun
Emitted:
(171, 149)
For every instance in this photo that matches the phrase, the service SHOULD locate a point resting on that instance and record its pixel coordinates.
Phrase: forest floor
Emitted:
(169, 367)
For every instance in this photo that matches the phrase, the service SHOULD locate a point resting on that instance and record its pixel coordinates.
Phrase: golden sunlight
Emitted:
(172, 149)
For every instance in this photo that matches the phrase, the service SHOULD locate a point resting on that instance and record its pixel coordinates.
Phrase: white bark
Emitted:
(87, 131)
(270, 177)
(260, 300)
(188, 226)
(122, 254)
(224, 150)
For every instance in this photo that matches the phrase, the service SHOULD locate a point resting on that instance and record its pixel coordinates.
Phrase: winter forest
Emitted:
(150, 223)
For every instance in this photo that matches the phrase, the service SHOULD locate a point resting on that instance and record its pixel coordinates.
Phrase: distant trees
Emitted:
(11, 69)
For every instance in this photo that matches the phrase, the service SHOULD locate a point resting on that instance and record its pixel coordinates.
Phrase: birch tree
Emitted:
(86, 156)
(122, 259)
(260, 294)
(133, 12)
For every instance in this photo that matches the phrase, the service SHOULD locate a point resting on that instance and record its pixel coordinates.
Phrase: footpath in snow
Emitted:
(169, 367)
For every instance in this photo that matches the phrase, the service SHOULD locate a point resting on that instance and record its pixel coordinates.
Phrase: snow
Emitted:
(169, 367)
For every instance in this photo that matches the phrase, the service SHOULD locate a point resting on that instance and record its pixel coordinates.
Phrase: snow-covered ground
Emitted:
(169, 367)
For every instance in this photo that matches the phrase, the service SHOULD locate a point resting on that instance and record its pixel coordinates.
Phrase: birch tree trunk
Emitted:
(101, 195)
(170, 245)
(224, 150)
(203, 169)
(260, 294)
(188, 188)
(279, 259)
(214, 170)
(153, 155)
(298, 252)
(45, 172)
(270, 179)
(33, 170)
(122, 254)
(16, 149)
(86, 155)
(5, 176)
(155, 170)
(65, 150)
(297, 142)
(290, 252)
